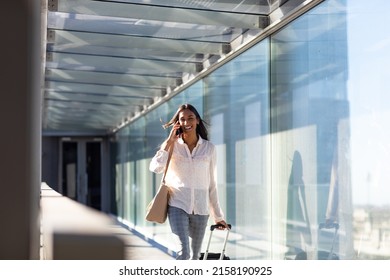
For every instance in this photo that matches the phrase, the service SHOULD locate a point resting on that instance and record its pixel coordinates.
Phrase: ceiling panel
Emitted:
(108, 61)
(194, 13)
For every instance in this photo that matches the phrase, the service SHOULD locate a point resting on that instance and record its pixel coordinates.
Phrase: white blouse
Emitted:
(192, 177)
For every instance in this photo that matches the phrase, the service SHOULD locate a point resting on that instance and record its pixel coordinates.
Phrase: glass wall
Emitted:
(311, 134)
(237, 104)
(301, 125)
(368, 93)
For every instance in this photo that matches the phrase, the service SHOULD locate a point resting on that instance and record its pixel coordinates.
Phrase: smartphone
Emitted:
(179, 131)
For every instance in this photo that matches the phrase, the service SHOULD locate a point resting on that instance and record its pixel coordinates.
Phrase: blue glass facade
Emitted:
(300, 121)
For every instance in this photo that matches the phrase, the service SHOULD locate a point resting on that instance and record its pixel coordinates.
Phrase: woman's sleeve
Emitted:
(158, 162)
(215, 208)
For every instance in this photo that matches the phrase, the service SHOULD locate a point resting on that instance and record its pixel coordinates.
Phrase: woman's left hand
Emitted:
(223, 224)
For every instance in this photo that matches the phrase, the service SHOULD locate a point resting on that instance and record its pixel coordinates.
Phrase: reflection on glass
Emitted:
(311, 135)
(237, 100)
(370, 128)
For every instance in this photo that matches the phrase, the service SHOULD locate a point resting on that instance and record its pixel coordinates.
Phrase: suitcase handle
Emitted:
(329, 225)
(219, 226)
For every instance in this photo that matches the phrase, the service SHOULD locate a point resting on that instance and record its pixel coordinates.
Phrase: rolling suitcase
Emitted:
(323, 255)
(216, 256)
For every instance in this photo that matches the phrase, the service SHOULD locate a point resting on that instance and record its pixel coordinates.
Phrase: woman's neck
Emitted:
(190, 139)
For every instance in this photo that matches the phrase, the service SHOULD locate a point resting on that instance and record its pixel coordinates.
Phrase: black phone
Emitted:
(179, 131)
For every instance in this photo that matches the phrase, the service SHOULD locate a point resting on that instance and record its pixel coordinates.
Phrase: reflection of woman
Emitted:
(191, 175)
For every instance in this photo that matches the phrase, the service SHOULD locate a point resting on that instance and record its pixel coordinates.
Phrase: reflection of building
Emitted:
(274, 80)
(372, 232)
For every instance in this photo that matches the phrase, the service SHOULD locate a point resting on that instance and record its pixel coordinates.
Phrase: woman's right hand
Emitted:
(173, 135)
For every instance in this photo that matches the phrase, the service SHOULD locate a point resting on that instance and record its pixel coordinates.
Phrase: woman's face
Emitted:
(188, 121)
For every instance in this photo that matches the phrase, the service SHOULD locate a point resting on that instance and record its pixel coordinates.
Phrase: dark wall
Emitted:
(50, 158)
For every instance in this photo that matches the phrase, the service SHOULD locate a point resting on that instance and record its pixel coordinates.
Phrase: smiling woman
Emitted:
(191, 176)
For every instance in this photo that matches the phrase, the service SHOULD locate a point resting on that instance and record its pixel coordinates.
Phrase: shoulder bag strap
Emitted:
(170, 150)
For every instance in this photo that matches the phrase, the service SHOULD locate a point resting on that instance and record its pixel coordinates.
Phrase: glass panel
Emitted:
(368, 84)
(311, 134)
(327, 111)
(64, 39)
(128, 192)
(253, 6)
(157, 12)
(237, 105)
(120, 171)
(140, 27)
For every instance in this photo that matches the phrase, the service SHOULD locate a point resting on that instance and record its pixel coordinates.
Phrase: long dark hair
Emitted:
(200, 128)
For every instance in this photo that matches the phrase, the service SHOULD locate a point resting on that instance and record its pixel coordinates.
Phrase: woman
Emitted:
(191, 175)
